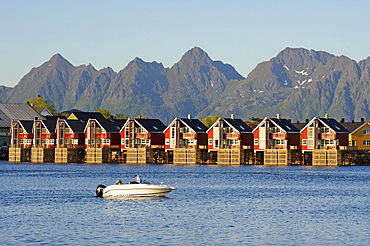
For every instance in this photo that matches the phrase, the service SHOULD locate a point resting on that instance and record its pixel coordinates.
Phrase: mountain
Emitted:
(297, 83)
(5, 92)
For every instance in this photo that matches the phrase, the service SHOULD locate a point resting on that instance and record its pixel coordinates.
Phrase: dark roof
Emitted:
(195, 124)
(111, 125)
(77, 126)
(334, 125)
(50, 125)
(16, 111)
(85, 116)
(238, 124)
(151, 125)
(284, 124)
(299, 126)
(27, 125)
(54, 117)
(352, 126)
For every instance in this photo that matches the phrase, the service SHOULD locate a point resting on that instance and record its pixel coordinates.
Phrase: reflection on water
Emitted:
(212, 205)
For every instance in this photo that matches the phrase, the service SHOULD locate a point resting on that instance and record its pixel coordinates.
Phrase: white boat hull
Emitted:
(134, 190)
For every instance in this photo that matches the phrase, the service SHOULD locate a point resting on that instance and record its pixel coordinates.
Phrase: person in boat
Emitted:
(119, 182)
(136, 181)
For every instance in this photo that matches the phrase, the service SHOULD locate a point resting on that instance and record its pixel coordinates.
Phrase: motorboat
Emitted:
(134, 190)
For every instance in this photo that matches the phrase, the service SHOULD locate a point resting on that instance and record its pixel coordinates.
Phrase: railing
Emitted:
(327, 136)
(102, 135)
(69, 136)
(25, 136)
(144, 135)
(189, 135)
(232, 135)
(277, 135)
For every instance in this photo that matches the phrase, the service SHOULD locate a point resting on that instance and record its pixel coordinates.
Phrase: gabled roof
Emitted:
(299, 126)
(352, 127)
(239, 125)
(334, 125)
(16, 111)
(330, 123)
(77, 126)
(85, 116)
(195, 124)
(50, 125)
(44, 111)
(285, 125)
(151, 125)
(112, 126)
(27, 125)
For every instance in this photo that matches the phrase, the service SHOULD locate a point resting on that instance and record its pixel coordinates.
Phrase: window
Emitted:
(256, 142)
(366, 142)
(328, 142)
(233, 142)
(210, 141)
(352, 143)
(304, 141)
(274, 130)
(216, 143)
(173, 132)
(366, 132)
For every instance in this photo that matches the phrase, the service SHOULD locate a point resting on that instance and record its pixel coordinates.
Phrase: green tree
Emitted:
(105, 112)
(209, 120)
(122, 116)
(41, 102)
(255, 121)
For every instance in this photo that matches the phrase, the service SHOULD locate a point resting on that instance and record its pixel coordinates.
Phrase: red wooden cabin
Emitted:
(229, 133)
(276, 133)
(142, 133)
(70, 133)
(21, 135)
(103, 133)
(44, 133)
(186, 133)
(323, 133)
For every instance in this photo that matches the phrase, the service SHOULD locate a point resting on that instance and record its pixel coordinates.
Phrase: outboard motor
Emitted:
(99, 190)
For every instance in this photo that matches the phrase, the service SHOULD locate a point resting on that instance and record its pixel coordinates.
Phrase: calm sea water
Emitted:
(55, 204)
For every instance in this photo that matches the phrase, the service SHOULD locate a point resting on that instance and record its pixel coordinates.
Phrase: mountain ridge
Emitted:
(297, 83)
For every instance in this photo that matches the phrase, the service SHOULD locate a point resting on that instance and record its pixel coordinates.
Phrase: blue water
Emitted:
(55, 204)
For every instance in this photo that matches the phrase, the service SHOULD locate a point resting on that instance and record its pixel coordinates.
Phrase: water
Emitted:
(55, 204)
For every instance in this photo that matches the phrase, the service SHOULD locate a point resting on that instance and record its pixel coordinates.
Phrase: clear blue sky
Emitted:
(114, 32)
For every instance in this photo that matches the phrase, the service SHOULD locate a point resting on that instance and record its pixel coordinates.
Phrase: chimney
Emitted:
(232, 116)
(189, 116)
(362, 119)
(297, 121)
(342, 120)
(326, 116)
(290, 120)
(306, 121)
(278, 116)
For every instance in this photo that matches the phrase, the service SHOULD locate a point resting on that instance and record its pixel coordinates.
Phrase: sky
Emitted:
(113, 32)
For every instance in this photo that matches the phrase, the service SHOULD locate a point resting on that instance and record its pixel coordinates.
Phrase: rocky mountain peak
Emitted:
(196, 55)
(59, 61)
